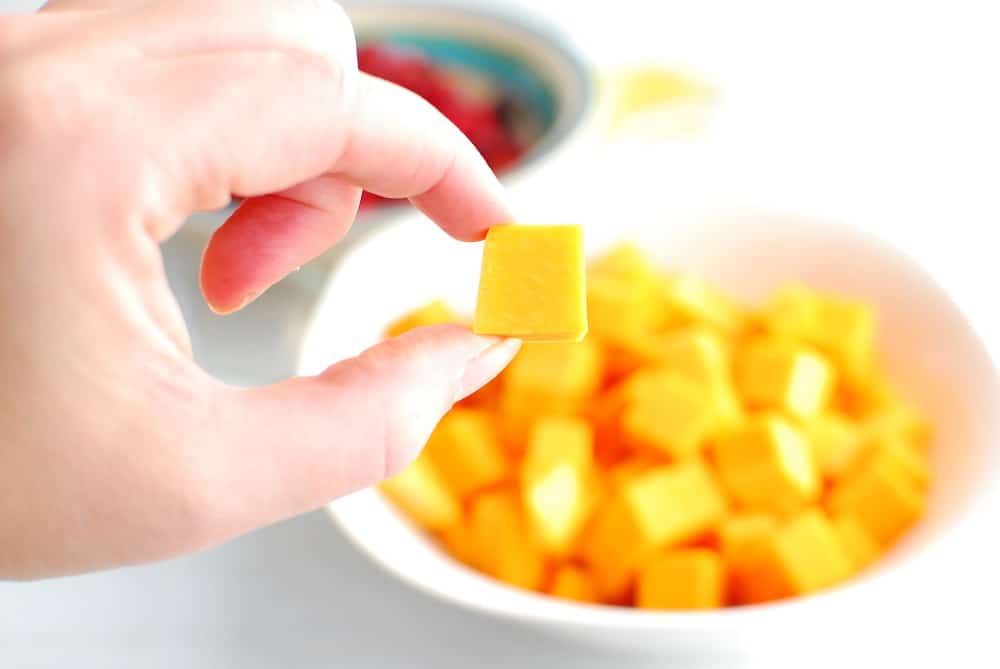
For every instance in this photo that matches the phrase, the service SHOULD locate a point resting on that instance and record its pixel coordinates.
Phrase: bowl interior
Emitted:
(532, 64)
(925, 342)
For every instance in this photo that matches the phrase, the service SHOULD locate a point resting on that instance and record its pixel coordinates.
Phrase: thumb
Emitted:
(293, 446)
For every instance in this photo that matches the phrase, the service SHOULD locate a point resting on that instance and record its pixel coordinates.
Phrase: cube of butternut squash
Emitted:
(766, 465)
(860, 545)
(573, 583)
(745, 541)
(883, 497)
(692, 578)
(532, 283)
(505, 549)
(810, 553)
(421, 492)
(696, 301)
(465, 449)
(774, 374)
(432, 313)
(460, 542)
(555, 479)
(662, 507)
(836, 443)
(673, 415)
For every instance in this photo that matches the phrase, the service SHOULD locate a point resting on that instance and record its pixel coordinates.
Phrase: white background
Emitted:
(880, 112)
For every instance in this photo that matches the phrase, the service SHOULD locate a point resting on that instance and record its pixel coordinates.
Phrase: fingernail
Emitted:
(481, 369)
(247, 299)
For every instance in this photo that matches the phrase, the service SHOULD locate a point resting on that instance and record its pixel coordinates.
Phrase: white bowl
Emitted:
(928, 346)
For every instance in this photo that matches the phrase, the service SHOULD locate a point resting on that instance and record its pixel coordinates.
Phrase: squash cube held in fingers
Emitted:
(532, 283)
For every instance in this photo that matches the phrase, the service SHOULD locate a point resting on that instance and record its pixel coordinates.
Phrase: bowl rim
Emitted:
(540, 608)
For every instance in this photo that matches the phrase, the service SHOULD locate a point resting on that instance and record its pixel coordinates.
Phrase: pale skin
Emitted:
(118, 119)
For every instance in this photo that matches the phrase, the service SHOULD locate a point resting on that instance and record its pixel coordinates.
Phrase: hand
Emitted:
(118, 120)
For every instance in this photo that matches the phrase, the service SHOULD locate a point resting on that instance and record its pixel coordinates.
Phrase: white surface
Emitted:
(928, 348)
(886, 108)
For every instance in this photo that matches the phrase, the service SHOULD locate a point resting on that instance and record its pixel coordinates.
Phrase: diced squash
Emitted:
(836, 443)
(432, 313)
(860, 545)
(674, 416)
(772, 374)
(767, 466)
(695, 301)
(465, 449)
(810, 554)
(532, 283)
(692, 578)
(555, 477)
(505, 549)
(883, 497)
(662, 507)
(573, 583)
(423, 494)
(460, 541)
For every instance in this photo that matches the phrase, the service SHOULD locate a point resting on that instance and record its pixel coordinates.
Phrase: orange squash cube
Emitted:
(883, 497)
(555, 480)
(692, 578)
(673, 416)
(772, 374)
(532, 283)
(766, 465)
(573, 583)
(432, 313)
(810, 554)
(662, 507)
(505, 549)
(465, 449)
(697, 302)
(460, 541)
(746, 542)
(860, 545)
(837, 443)
(423, 494)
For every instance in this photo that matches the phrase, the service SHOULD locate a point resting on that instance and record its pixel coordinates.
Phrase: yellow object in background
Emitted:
(779, 375)
(573, 583)
(555, 479)
(465, 449)
(422, 493)
(688, 453)
(532, 283)
(432, 313)
(682, 579)
(767, 466)
(655, 103)
(505, 548)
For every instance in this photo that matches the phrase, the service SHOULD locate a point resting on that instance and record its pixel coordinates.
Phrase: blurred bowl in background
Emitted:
(928, 347)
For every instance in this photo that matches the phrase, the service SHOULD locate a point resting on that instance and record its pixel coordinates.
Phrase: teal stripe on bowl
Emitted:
(505, 69)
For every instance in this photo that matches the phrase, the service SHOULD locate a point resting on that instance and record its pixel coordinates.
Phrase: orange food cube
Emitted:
(421, 492)
(662, 507)
(773, 374)
(844, 330)
(898, 422)
(465, 449)
(432, 313)
(505, 548)
(860, 545)
(532, 283)
(766, 465)
(692, 578)
(696, 301)
(618, 310)
(460, 541)
(625, 262)
(836, 443)
(810, 553)
(702, 356)
(674, 416)
(746, 542)
(573, 583)
(883, 497)
(555, 477)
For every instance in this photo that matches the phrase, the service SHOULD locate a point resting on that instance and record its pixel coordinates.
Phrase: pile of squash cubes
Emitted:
(689, 453)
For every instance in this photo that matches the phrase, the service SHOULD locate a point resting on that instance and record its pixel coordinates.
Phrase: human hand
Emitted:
(118, 120)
